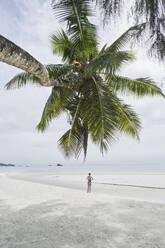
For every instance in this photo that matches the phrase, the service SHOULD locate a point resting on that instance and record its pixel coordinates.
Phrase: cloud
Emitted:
(30, 24)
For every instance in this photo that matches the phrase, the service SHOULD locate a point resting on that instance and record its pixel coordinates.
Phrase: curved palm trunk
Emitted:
(13, 55)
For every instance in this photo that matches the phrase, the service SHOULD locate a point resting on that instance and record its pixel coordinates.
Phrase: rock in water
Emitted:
(59, 165)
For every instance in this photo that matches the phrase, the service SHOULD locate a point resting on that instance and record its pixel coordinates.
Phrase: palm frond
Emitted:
(74, 141)
(72, 11)
(103, 49)
(65, 74)
(129, 122)
(139, 87)
(78, 127)
(75, 145)
(107, 116)
(62, 45)
(75, 117)
(98, 110)
(108, 62)
(21, 80)
(55, 105)
(57, 70)
(126, 37)
(81, 32)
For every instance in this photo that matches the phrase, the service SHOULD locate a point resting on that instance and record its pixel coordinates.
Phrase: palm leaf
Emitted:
(129, 122)
(72, 142)
(139, 87)
(82, 33)
(58, 70)
(21, 80)
(78, 127)
(72, 11)
(126, 37)
(108, 62)
(98, 110)
(74, 119)
(63, 46)
(63, 73)
(55, 105)
(107, 116)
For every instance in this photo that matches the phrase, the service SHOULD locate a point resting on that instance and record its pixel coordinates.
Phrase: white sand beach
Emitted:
(54, 211)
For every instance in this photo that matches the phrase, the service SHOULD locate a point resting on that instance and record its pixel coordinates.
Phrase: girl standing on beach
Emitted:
(89, 179)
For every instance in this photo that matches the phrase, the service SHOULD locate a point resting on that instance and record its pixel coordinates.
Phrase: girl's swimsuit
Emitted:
(89, 181)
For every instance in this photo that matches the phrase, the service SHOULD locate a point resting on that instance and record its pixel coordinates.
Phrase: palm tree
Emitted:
(87, 84)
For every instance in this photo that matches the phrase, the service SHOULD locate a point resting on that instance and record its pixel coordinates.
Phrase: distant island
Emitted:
(55, 165)
(59, 165)
(1, 164)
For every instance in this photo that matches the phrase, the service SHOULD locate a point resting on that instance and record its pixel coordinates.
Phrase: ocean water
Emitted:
(85, 168)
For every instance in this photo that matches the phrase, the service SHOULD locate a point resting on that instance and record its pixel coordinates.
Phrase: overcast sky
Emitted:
(30, 24)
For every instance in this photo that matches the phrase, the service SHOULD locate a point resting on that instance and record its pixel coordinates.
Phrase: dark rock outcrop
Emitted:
(1, 164)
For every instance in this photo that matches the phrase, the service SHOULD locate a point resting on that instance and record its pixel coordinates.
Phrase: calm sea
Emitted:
(84, 169)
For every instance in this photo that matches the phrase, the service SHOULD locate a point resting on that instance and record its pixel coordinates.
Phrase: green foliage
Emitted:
(64, 73)
(74, 141)
(63, 46)
(80, 35)
(139, 87)
(101, 114)
(55, 105)
(128, 122)
(108, 62)
(21, 80)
